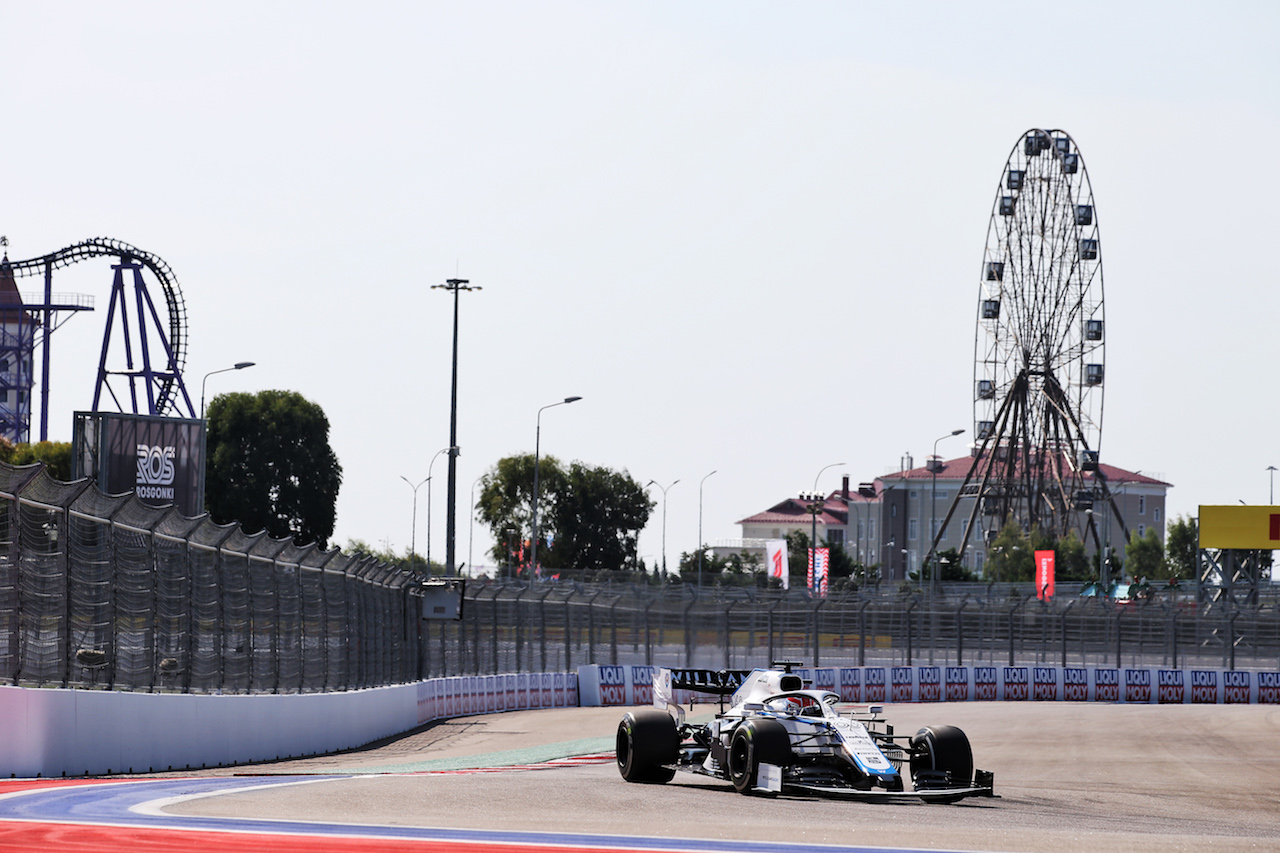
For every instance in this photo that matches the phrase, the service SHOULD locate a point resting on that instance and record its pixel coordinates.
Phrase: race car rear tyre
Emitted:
(756, 742)
(647, 741)
(938, 751)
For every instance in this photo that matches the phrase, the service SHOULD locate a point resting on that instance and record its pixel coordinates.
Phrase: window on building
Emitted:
(871, 529)
(979, 559)
(835, 537)
(911, 529)
(912, 494)
(1142, 504)
(1155, 514)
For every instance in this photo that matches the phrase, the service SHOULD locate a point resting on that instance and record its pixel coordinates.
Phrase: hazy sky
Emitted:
(749, 235)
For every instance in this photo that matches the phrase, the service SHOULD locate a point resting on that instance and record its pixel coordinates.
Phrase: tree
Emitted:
(506, 501)
(1182, 547)
(270, 466)
(1145, 556)
(1011, 557)
(598, 516)
(1071, 562)
(56, 456)
(588, 517)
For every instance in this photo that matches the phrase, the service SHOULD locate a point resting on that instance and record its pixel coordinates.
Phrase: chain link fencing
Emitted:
(101, 591)
(512, 627)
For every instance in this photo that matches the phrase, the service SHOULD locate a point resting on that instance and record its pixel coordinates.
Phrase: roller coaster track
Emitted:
(104, 246)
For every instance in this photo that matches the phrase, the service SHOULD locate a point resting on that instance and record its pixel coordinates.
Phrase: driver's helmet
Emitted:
(789, 706)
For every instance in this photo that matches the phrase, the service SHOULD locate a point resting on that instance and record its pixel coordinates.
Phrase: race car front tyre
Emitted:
(756, 742)
(941, 757)
(647, 741)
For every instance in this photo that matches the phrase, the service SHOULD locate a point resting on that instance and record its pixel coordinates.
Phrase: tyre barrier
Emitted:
(633, 685)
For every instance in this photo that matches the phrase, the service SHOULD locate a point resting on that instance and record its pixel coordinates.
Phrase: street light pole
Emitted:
(413, 536)
(537, 445)
(664, 520)
(704, 479)
(813, 511)
(1272, 500)
(239, 365)
(454, 285)
(934, 465)
(429, 468)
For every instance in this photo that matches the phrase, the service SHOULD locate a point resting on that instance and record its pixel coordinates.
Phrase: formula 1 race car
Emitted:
(779, 736)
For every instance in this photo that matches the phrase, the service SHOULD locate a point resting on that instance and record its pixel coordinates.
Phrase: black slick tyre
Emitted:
(647, 742)
(756, 742)
(941, 753)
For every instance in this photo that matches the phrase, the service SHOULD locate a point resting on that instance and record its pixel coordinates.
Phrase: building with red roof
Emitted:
(890, 522)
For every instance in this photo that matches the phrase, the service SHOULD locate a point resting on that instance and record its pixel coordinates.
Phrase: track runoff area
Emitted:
(1070, 776)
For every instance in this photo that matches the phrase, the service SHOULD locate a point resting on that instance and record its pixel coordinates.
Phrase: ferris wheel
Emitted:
(1039, 350)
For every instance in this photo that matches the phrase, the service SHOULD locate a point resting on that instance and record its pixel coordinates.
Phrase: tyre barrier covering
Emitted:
(633, 685)
(58, 732)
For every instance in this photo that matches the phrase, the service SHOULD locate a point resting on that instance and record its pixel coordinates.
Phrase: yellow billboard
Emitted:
(1252, 528)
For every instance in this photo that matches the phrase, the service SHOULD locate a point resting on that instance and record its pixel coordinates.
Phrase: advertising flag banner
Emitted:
(1044, 574)
(818, 562)
(776, 560)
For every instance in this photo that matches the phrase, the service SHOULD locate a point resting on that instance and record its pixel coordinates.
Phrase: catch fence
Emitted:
(511, 627)
(102, 591)
(108, 592)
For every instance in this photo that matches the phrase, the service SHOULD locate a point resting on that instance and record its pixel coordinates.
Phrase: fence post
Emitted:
(862, 632)
(1065, 611)
(910, 629)
(960, 630)
(817, 630)
(728, 635)
(613, 626)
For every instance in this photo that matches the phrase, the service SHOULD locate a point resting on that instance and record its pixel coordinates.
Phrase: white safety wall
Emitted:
(51, 732)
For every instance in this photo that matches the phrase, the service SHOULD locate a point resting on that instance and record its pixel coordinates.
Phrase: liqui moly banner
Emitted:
(1044, 574)
(776, 560)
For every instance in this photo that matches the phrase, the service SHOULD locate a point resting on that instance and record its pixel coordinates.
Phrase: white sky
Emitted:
(749, 235)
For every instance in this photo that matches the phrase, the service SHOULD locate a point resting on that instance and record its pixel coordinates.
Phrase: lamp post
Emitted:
(703, 480)
(429, 467)
(1272, 500)
(537, 443)
(455, 285)
(814, 509)
(471, 536)
(239, 365)
(935, 465)
(413, 536)
(664, 520)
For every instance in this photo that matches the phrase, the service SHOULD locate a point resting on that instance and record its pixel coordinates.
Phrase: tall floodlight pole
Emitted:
(429, 475)
(537, 447)
(664, 519)
(413, 536)
(471, 536)
(814, 509)
(934, 466)
(700, 549)
(454, 285)
(239, 365)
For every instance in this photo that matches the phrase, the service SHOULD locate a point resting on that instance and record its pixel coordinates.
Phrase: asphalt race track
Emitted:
(1070, 777)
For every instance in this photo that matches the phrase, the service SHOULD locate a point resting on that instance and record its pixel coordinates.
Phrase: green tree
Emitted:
(1070, 561)
(598, 515)
(1182, 547)
(270, 466)
(713, 566)
(1010, 555)
(588, 517)
(1144, 556)
(56, 456)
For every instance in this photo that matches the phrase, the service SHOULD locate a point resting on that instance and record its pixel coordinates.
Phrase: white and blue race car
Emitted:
(777, 735)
